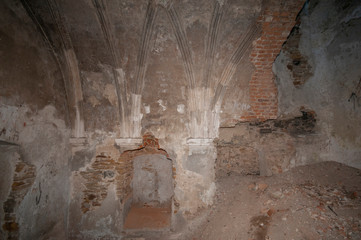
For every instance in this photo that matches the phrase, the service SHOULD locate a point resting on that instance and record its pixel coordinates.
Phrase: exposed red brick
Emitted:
(105, 170)
(24, 177)
(276, 21)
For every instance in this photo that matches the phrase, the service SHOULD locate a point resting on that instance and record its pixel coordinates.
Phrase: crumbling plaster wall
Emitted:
(316, 72)
(329, 40)
(165, 63)
(269, 147)
(16, 180)
(179, 70)
(188, 51)
(33, 118)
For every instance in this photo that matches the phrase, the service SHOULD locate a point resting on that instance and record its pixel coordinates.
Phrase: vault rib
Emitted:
(72, 68)
(59, 21)
(144, 46)
(121, 88)
(244, 44)
(102, 14)
(183, 47)
(39, 24)
(211, 42)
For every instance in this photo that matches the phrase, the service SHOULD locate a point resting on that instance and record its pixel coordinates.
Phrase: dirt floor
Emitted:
(320, 201)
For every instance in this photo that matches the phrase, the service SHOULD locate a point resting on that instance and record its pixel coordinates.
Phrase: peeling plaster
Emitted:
(161, 104)
(147, 109)
(94, 101)
(208, 195)
(180, 108)
(110, 94)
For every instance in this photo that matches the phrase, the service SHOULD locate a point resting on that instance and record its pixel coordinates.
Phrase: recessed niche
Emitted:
(152, 188)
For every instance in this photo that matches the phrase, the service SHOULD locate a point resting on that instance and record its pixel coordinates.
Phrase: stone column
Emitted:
(200, 161)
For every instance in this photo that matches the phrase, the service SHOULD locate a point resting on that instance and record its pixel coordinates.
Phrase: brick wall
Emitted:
(24, 177)
(277, 21)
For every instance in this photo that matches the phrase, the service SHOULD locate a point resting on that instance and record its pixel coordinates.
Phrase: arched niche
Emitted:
(151, 188)
(152, 180)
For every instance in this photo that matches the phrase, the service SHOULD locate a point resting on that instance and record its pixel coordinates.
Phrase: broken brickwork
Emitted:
(298, 63)
(105, 170)
(278, 19)
(263, 148)
(24, 177)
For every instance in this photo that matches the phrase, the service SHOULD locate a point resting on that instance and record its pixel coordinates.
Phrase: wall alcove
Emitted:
(152, 189)
(149, 206)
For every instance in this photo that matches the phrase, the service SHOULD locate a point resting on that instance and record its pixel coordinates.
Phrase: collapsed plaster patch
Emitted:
(208, 195)
(110, 94)
(102, 223)
(110, 167)
(161, 104)
(180, 108)
(23, 175)
(11, 123)
(147, 109)
(45, 151)
(22, 128)
(95, 85)
(93, 101)
(9, 156)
